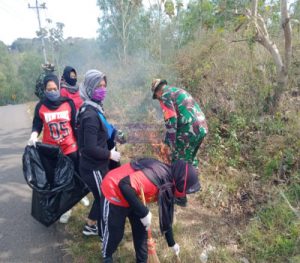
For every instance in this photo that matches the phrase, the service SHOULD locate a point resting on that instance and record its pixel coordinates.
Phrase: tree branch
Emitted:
(295, 211)
(287, 29)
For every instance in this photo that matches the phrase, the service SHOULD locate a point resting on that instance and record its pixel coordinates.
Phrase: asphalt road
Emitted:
(22, 238)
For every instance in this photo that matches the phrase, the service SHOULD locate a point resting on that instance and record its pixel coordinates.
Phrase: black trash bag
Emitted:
(56, 187)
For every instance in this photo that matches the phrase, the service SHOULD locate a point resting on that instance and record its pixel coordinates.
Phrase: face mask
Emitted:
(52, 95)
(71, 82)
(99, 94)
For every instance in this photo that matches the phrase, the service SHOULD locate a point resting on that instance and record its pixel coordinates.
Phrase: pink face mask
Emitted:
(99, 94)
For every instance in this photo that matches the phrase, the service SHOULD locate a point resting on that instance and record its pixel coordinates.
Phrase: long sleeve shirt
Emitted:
(92, 141)
(180, 109)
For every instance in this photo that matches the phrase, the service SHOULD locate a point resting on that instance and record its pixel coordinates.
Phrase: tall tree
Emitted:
(262, 36)
(199, 15)
(55, 37)
(116, 22)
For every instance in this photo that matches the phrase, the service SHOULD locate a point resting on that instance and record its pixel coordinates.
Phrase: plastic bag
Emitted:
(56, 186)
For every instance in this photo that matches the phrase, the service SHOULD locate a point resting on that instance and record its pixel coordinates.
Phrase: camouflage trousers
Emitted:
(187, 145)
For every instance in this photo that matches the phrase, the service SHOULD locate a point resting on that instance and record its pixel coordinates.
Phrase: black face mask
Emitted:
(67, 76)
(71, 82)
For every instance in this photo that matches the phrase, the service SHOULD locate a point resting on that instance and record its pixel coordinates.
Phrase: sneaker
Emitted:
(90, 230)
(65, 217)
(85, 201)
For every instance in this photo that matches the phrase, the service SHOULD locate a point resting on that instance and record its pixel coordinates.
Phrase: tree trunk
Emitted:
(263, 38)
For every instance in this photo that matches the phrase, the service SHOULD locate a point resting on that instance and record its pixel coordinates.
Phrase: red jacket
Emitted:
(138, 180)
(73, 96)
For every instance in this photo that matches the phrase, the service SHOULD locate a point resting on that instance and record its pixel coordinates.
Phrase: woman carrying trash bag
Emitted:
(94, 132)
(55, 115)
(123, 189)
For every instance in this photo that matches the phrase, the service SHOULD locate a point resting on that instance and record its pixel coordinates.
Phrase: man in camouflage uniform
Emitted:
(185, 122)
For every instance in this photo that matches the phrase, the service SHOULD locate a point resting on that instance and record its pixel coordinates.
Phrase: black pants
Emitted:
(93, 179)
(113, 225)
(74, 157)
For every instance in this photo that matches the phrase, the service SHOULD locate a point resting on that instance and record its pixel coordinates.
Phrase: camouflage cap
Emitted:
(155, 85)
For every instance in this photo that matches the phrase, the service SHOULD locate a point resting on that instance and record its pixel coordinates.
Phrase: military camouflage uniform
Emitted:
(185, 123)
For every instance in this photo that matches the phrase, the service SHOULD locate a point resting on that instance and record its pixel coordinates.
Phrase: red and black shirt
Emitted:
(57, 120)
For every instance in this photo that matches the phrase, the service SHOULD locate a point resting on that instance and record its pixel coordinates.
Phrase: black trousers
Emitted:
(74, 157)
(93, 179)
(113, 225)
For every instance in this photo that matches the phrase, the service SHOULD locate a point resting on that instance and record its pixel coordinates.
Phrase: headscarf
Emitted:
(186, 177)
(166, 178)
(67, 82)
(91, 80)
(50, 77)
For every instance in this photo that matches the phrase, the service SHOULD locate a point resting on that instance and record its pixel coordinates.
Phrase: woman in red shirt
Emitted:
(68, 87)
(55, 115)
(122, 190)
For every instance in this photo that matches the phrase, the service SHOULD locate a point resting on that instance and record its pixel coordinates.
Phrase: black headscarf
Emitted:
(50, 77)
(185, 177)
(67, 78)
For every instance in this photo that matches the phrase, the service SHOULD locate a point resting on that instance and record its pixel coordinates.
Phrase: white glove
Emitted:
(33, 139)
(146, 221)
(114, 155)
(176, 249)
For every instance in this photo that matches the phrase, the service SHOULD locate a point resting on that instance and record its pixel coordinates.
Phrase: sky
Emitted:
(19, 21)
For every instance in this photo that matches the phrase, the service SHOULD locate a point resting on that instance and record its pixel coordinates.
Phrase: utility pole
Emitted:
(38, 7)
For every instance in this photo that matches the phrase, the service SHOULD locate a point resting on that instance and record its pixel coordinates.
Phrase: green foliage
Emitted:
(227, 11)
(169, 8)
(295, 7)
(274, 235)
(273, 125)
(194, 48)
(271, 12)
(293, 192)
(116, 25)
(10, 90)
(29, 69)
(54, 38)
(198, 14)
(24, 45)
(271, 167)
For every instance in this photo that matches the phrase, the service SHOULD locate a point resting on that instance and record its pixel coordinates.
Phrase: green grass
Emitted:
(274, 235)
(88, 249)
(270, 233)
